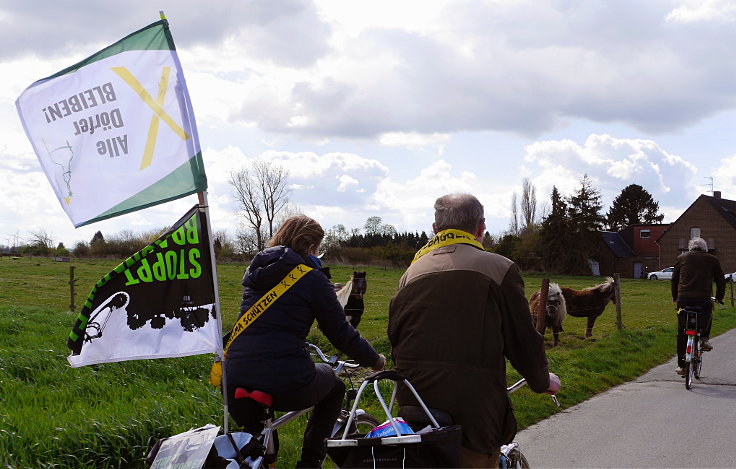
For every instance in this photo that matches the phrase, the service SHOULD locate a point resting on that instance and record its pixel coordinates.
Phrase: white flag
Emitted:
(116, 132)
(158, 303)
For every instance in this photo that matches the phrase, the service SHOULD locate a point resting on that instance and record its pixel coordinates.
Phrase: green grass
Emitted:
(52, 415)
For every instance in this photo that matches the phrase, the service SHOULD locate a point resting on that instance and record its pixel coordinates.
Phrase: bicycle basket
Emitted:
(432, 447)
(697, 319)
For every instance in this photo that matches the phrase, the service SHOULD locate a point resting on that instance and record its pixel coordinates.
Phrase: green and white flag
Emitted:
(115, 132)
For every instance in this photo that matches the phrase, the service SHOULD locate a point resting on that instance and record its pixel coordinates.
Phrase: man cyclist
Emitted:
(458, 313)
(692, 285)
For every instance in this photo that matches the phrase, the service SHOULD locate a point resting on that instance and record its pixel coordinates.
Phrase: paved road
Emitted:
(648, 422)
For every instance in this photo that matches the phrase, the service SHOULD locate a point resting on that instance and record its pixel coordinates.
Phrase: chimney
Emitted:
(717, 195)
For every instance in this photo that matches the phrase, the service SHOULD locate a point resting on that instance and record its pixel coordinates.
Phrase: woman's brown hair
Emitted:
(298, 233)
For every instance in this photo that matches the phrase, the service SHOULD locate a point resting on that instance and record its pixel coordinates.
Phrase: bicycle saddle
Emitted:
(415, 415)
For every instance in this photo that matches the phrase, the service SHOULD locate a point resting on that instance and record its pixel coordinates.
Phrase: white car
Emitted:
(730, 277)
(664, 274)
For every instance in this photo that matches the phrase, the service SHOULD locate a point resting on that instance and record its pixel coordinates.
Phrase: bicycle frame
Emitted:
(693, 351)
(271, 425)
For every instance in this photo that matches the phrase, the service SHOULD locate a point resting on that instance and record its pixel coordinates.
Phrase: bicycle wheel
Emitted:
(697, 361)
(516, 460)
(689, 371)
(364, 423)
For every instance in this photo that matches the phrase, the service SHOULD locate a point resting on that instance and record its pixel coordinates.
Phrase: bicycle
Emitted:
(511, 455)
(695, 321)
(260, 450)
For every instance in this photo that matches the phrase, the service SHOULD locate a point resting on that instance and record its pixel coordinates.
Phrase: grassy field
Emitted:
(52, 415)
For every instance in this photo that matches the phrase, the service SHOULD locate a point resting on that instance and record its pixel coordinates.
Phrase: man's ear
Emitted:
(434, 229)
(480, 231)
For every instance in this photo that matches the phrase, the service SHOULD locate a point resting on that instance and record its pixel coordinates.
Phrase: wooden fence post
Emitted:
(617, 290)
(542, 312)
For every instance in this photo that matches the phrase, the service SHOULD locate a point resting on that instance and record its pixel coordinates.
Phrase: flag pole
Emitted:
(206, 208)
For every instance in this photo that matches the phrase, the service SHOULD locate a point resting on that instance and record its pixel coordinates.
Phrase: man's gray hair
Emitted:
(459, 211)
(697, 244)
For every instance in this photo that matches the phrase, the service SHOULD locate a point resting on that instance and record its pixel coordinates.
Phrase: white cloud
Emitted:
(725, 178)
(415, 140)
(346, 182)
(612, 164)
(703, 10)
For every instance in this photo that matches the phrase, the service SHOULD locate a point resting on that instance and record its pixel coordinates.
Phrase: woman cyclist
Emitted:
(270, 355)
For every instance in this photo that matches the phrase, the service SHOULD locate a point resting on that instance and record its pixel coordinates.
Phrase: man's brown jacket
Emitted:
(458, 312)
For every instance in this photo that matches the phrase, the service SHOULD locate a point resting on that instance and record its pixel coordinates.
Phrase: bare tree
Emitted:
(262, 193)
(41, 238)
(272, 179)
(528, 203)
(514, 216)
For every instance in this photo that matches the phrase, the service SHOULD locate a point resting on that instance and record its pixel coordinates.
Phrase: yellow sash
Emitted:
(445, 238)
(254, 312)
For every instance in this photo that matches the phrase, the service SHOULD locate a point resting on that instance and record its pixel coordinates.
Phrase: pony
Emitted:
(350, 296)
(556, 310)
(586, 303)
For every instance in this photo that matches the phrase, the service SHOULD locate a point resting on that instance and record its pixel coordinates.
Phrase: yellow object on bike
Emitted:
(254, 312)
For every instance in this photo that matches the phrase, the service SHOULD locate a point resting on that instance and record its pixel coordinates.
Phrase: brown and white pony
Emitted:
(556, 310)
(350, 296)
(586, 303)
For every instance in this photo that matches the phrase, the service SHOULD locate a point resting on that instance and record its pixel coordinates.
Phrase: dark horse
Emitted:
(350, 296)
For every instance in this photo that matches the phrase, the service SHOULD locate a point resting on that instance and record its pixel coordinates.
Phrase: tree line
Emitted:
(560, 239)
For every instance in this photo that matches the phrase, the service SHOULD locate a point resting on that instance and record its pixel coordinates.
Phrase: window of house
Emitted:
(694, 233)
(644, 234)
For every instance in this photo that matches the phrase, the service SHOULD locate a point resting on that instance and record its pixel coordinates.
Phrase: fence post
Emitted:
(71, 287)
(542, 312)
(617, 289)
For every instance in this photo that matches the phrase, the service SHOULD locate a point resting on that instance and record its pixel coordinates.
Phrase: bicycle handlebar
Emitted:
(521, 383)
(332, 361)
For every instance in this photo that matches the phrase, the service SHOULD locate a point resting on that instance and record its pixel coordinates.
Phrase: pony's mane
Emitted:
(605, 286)
(554, 287)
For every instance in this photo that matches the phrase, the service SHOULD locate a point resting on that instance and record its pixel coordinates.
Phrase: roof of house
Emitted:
(616, 244)
(725, 207)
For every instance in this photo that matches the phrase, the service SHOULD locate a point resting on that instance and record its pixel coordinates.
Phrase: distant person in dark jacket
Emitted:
(270, 355)
(458, 314)
(692, 285)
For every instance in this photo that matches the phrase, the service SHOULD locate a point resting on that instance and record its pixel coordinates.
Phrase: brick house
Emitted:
(712, 218)
(631, 252)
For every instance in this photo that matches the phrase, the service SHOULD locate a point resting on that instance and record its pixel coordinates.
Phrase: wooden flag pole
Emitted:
(542, 312)
(204, 206)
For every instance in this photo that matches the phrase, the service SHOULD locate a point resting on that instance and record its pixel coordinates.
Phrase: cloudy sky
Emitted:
(378, 107)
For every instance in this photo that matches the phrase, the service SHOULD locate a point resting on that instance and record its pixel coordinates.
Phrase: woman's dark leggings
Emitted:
(325, 392)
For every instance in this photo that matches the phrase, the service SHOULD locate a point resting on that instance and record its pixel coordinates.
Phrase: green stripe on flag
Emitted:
(155, 36)
(187, 179)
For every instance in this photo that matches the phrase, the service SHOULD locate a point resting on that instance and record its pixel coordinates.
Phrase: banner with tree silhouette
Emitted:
(158, 303)
(115, 132)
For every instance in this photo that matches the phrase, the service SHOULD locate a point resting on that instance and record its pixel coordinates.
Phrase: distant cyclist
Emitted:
(692, 285)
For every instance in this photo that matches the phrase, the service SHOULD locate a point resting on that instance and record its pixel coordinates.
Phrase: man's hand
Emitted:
(554, 384)
(382, 362)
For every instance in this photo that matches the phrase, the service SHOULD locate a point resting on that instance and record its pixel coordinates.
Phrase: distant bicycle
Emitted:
(696, 320)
